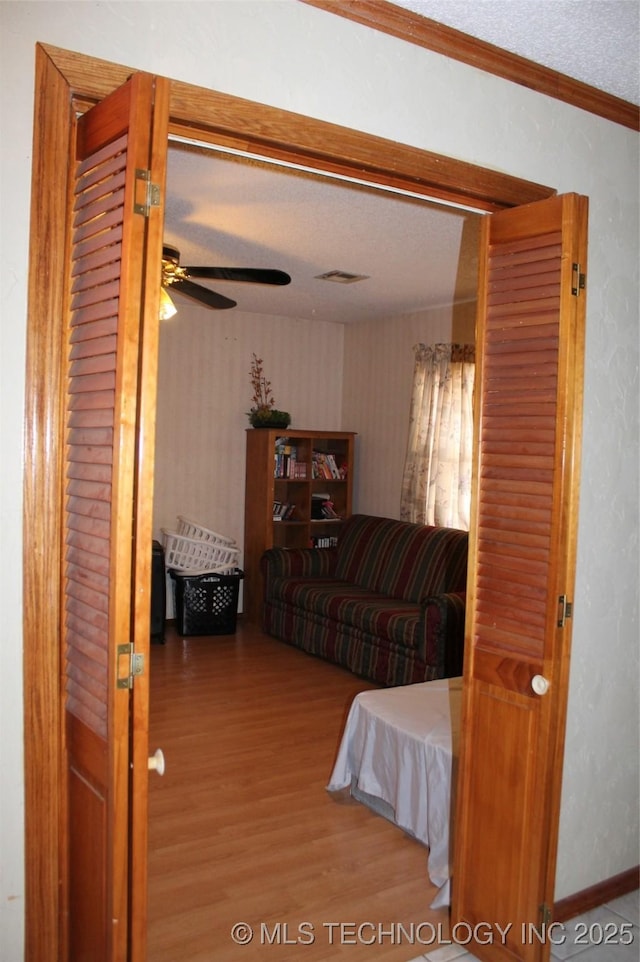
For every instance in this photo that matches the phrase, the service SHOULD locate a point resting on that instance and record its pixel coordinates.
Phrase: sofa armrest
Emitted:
(297, 563)
(443, 620)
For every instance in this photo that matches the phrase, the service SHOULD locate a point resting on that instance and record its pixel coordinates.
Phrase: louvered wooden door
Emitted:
(115, 257)
(522, 560)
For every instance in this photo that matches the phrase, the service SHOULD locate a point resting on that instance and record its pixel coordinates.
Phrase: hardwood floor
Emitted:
(241, 828)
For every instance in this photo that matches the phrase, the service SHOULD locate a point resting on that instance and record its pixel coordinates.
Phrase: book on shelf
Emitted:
(333, 467)
(324, 542)
(289, 468)
(317, 500)
(283, 511)
(323, 508)
(285, 459)
(325, 465)
(320, 467)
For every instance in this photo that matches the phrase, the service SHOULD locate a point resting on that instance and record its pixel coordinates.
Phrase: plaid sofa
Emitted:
(387, 603)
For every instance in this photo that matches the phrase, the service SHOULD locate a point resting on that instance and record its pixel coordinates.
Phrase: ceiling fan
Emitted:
(179, 279)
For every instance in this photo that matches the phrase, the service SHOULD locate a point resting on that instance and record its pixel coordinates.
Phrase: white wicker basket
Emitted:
(191, 529)
(194, 554)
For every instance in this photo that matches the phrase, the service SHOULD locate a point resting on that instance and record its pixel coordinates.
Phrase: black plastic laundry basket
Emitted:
(206, 604)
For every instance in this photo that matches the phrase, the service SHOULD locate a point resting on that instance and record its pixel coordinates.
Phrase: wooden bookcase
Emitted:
(281, 468)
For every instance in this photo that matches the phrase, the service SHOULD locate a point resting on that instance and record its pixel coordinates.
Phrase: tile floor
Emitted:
(610, 933)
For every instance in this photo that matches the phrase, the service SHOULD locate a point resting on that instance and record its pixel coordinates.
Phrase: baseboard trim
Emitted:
(598, 894)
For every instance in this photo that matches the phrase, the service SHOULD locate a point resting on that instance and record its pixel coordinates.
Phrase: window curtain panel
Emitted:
(436, 486)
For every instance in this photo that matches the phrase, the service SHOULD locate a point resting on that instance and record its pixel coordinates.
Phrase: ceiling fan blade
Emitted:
(251, 275)
(202, 294)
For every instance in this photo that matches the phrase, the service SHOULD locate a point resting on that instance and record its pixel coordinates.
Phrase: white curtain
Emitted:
(436, 487)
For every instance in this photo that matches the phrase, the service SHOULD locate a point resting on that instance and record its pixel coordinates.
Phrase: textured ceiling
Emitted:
(227, 211)
(595, 41)
(224, 211)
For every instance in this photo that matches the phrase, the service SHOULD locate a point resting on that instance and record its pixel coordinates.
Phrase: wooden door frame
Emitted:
(67, 82)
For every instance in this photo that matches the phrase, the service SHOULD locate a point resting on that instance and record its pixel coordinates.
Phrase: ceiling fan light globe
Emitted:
(167, 308)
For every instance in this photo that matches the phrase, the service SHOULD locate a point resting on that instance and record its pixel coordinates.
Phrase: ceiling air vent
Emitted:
(341, 277)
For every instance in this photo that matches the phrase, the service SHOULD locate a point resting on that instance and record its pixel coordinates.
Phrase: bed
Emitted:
(397, 755)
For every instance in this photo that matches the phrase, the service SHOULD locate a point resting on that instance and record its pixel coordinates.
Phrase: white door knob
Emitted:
(540, 684)
(156, 762)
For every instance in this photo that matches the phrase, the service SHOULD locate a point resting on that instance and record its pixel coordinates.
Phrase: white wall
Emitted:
(293, 56)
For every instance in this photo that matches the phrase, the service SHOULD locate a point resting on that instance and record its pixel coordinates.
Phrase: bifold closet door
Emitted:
(115, 258)
(521, 572)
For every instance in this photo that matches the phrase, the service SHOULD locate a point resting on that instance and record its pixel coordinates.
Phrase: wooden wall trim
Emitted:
(45, 792)
(434, 36)
(598, 894)
(221, 119)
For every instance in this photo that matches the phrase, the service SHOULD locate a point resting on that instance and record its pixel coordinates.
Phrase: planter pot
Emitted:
(279, 419)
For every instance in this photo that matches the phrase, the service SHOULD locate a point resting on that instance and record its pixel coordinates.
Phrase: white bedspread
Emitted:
(399, 746)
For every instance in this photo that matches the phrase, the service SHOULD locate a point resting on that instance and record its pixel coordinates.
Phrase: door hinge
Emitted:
(565, 610)
(578, 280)
(545, 914)
(147, 194)
(134, 665)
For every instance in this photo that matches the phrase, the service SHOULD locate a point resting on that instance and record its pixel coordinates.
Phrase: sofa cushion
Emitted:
(423, 561)
(405, 561)
(394, 621)
(362, 548)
